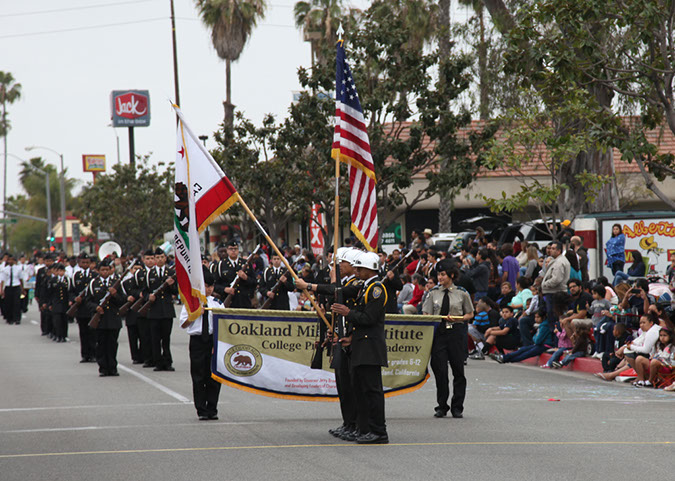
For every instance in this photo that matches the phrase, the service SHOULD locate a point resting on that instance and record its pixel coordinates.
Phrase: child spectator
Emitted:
(406, 292)
(507, 295)
(542, 341)
(610, 361)
(486, 316)
(523, 294)
(526, 320)
(505, 335)
(564, 344)
(661, 360)
(418, 290)
(582, 339)
(602, 321)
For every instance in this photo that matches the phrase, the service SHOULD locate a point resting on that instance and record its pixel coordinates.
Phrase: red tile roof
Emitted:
(661, 137)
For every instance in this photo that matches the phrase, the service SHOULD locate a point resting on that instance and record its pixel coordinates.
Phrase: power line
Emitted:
(70, 9)
(88, 27)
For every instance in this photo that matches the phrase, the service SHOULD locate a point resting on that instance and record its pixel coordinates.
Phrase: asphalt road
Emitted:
(59, 420)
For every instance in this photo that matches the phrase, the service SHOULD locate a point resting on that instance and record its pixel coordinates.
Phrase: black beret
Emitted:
(209, 280)
(232, 243)
(149, 252)
(159, 252)
(105, 262)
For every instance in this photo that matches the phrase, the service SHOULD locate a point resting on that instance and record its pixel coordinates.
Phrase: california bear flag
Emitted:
(202, 192)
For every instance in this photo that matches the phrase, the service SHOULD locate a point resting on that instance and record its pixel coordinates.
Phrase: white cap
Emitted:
(369, 260)
(341, 252)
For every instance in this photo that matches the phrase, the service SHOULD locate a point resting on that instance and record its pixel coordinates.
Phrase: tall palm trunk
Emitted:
(445, 201)
(484, 99)
(229, 107)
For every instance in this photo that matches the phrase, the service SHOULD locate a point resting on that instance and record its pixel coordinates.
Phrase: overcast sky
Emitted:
(69, 55)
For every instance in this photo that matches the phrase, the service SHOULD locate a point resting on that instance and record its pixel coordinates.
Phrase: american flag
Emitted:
(351, 145)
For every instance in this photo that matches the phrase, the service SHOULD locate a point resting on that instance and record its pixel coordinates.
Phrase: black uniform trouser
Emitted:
(134, 342)
(46, 325)
(345, 390)
(205, 389)
(87, 338)
(449, 346)
(369, 395)
(145, 339)
(160, 337)
(12, 303)
(106, 350)
(59, 325)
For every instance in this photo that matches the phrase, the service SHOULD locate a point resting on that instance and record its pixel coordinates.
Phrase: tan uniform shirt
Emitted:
(460, 301)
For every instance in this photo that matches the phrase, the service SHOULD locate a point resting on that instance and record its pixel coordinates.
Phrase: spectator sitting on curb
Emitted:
(582, 340)
(580, 301)
(486, 316)
(661, 361)
(543, 340)
(410, 307)
(526, 320)
(603, 322)
(564, 344)
(504, 336)
(610, 360)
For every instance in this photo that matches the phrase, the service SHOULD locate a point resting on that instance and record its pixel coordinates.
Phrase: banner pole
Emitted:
(283, 259)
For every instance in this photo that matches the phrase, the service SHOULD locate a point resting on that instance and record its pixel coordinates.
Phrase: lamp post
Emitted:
(63, 195)
(48, 193)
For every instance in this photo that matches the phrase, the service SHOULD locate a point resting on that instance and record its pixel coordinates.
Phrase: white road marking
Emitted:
(34, 322)
(134, 426)
(159, 386)
(94, 406)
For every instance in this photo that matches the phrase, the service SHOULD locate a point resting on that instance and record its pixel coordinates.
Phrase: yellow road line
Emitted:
(344, 445)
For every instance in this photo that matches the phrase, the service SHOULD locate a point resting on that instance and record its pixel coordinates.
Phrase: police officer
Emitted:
(352, 425)
(368, 347)
(273, 275)
(449, 344)
(226, 272)
(108, 329)
(81, 280)
(162, 312)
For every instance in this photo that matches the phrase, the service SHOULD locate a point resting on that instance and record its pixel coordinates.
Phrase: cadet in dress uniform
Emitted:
(352, 424)
(131, 320)
(42, 295)
(81, 279)
(58, 292)
(273, 274)
(136, 289)
(11, 288)
(108, 330)
(205, 389)
(449, 345)
(369, 348)
(162, 312)
(226, 272)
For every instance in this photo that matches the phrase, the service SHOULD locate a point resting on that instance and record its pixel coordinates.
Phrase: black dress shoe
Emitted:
(103, 374)
(169, 368)
(137, 362)
(203, 417)
(372, 438)
(114, 373)
(149, 364)
(439, 413)
(213, 417)
(158, 368)
(348, 435)
(457, 415)
(337, 431)
(84, 360)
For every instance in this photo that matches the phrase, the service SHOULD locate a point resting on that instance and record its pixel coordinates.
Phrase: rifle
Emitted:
(96, 318)
(130, 305)
(268, 301)
(143, 311)
(72, 310)
(235, 282)
(400, 261)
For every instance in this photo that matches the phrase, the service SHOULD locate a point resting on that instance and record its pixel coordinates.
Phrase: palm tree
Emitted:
(231, 22)
(482, 54)
(10, 92)
(319, 21)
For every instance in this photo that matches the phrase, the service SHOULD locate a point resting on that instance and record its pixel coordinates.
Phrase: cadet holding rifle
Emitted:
(104, 299)
(161, 312)
(234, 276)
(79, 309)
(352, 425)
(136, 296)
(130, 317)
(275, 286)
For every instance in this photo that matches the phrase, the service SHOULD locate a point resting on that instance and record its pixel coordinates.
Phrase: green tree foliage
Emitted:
(133, 203)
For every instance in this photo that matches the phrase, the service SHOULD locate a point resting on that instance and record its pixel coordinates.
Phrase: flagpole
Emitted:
(284, 260)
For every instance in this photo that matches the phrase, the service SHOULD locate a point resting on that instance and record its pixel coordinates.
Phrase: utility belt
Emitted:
(451, 324)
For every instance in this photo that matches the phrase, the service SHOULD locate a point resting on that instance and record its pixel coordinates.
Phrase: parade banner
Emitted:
(269, 353)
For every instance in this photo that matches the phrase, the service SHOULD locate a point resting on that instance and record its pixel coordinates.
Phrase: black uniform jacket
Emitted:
(58, 292)
(81, 281)
(98, 288)
(162, 308)
(267, 283)
(366, 319)
(226, 272)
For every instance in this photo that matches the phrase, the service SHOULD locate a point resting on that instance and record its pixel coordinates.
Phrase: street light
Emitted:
(63, 195)
(48, 192)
